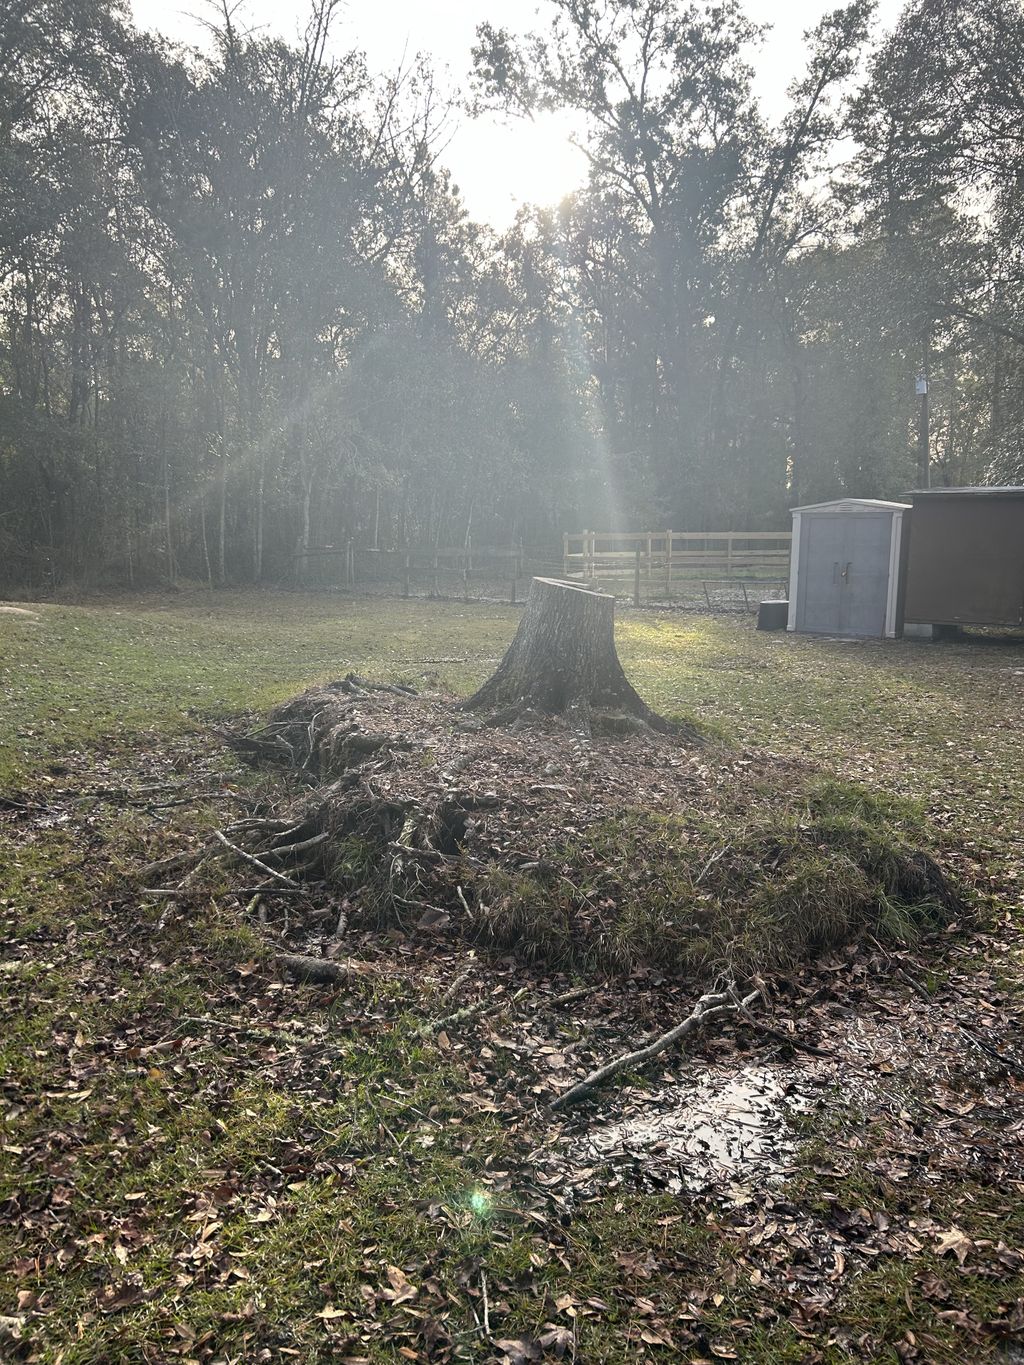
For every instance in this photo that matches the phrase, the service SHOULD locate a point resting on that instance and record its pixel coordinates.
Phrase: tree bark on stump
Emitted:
(563, 659)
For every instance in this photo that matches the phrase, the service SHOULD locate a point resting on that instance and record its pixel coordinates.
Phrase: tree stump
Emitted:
(563, 660)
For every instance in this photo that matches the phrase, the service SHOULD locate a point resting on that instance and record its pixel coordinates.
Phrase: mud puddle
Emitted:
(727, 1132)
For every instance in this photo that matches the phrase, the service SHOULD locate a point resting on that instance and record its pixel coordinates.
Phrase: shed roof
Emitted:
(853, 504)
(987, 491)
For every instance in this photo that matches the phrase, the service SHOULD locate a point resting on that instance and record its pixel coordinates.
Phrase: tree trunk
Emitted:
(563, 658)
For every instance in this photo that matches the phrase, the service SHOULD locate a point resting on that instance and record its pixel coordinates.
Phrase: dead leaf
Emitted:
(657, 1336)
(519, 1351)
(401, 1290)
(113, 1298)
(956, 1242)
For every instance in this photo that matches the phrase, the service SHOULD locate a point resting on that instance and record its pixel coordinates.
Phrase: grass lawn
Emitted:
(203, 1162)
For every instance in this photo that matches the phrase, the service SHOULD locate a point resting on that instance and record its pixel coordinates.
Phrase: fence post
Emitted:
(668, 558)
(650, 553)
(636, 579)
(565, 554)
(405, 576)
(465, 578)
(436, 589)
(728, 556)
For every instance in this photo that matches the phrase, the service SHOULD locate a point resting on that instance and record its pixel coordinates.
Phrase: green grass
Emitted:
(109, 676)
(696, 895)
(255, 1187)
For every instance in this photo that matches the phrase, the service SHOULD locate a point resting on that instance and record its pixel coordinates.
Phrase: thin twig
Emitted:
(280, 850)
(251, 858)
(720, 853)
(569, 996)
(714, 1005)
(478, 1011)
(783, 1037)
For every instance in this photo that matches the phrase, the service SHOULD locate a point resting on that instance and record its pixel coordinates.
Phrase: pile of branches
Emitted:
(410, 812)
(430, 818)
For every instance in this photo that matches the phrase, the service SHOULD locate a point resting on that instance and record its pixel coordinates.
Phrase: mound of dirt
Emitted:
(611, 854)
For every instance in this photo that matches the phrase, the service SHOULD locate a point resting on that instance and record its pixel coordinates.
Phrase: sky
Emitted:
(497, 165)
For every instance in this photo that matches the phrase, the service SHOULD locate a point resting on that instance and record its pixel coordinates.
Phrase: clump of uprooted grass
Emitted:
(692, 897)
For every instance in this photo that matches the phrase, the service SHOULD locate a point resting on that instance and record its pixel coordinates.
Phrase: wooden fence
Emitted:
(439, 571)
(590, 555)
(727, 571)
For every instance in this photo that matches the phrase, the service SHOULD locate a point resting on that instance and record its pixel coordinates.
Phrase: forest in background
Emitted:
(243, 311)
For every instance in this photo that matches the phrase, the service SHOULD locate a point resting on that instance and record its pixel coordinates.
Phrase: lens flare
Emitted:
(480, 1203)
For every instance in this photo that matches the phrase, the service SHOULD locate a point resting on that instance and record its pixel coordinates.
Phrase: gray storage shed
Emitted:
(844, 569)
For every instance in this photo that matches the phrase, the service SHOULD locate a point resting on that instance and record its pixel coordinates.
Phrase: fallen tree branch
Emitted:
(251, 858)
(271, 889)
(319, 969)
(577, 993)
(708, 1008)
(289, 850)
(480, 1010)
(398, 689)
(454, 986)
(1008, 1063)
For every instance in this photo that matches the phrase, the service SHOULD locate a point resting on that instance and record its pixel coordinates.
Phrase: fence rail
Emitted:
(591, 555)
(703, 573)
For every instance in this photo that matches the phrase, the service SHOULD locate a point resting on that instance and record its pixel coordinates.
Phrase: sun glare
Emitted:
(500, 166)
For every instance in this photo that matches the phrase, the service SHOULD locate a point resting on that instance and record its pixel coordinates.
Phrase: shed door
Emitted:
(845, 572)
(821, 553)
(865, 575)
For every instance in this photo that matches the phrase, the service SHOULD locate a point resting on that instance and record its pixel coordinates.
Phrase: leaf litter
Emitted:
(911, 1102)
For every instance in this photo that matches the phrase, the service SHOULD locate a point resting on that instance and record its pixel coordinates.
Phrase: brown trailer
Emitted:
(965, 563)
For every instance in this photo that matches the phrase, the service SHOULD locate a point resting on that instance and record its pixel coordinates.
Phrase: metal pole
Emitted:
(924, 462)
